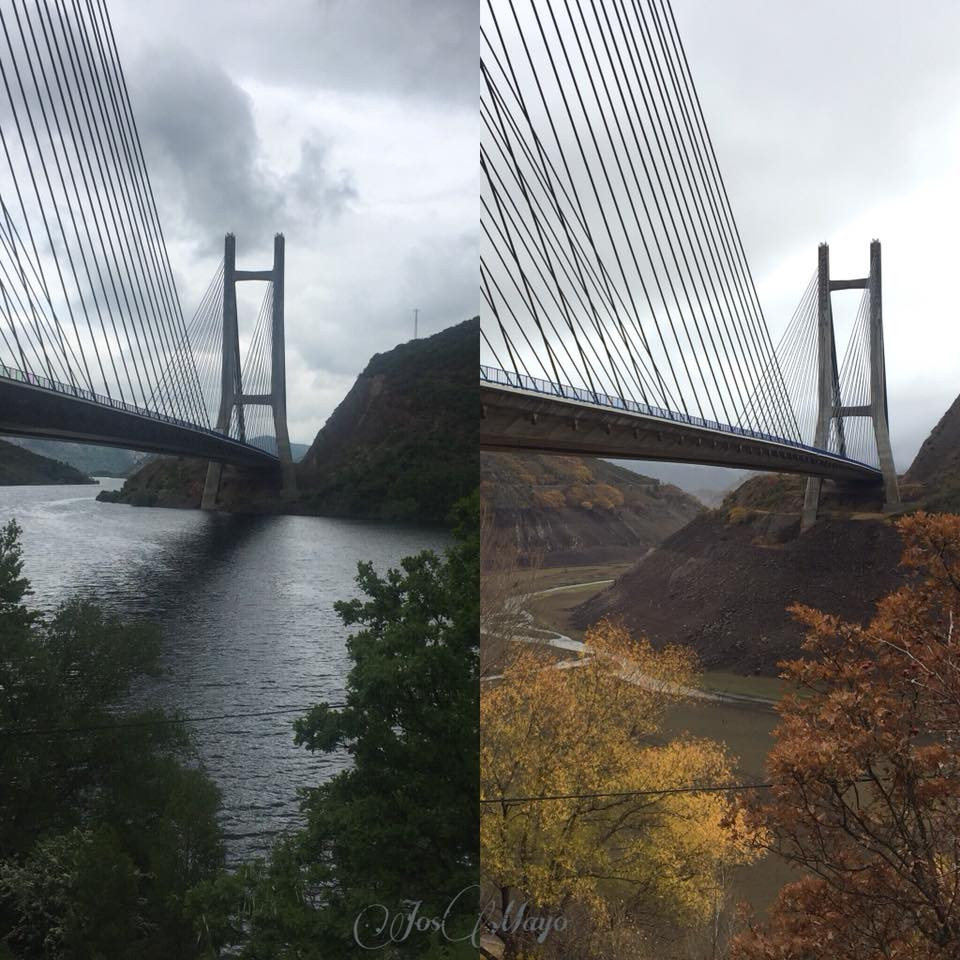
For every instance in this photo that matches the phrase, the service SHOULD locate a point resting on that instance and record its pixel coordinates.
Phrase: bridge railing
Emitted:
(72, 390)
(563, 391)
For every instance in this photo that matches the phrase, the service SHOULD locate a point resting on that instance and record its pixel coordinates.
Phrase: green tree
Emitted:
(104, 827)
(402, 823)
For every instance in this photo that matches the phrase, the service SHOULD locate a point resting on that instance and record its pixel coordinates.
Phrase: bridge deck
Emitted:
(523, 413)
(56, 412)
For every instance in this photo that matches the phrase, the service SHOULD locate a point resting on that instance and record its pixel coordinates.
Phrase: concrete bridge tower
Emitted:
(232, 396)
(830, 407)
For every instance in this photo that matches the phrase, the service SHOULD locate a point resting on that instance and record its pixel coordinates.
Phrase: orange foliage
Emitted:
(582, 472)
(550, 499)
(606, 497)
(580, 496)
(867, 774)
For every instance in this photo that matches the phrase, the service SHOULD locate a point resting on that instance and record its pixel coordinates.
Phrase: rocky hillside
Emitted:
(934, 476)
(402, 445)
(568, 510)
(19, 466)
(723, 582)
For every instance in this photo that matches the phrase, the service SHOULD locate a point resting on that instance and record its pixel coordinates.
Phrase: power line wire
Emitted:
(653, 792)
(163, 721)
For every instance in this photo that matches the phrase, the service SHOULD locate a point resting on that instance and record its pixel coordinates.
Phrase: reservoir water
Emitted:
(245, 606)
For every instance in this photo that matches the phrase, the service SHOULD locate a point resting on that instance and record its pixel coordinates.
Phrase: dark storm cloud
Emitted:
(394, 48)
(404, 47)
(198, 126)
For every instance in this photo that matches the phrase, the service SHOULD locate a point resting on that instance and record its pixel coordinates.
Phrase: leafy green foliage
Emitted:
(14, 588)
(103, 828)
(411, 480)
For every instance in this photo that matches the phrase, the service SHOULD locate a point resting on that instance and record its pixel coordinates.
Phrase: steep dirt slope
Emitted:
(934, 476)
(723, 583)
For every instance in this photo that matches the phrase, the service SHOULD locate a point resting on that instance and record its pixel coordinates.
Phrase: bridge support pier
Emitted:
(232, 396)
(278, 376)
(826, 361)
(829, 402)
(879, 412)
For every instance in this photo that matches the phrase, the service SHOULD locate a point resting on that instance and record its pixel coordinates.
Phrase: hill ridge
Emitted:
(558, 510)
(22, 467)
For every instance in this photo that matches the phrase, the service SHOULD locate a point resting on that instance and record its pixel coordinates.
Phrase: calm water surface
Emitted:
(245, 605)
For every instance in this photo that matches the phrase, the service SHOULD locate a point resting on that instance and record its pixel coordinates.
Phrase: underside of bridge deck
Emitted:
(26, 410)
(513, 419)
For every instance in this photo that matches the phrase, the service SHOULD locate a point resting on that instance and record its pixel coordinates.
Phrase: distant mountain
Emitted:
(401, 445)
(21, 467)
(297, 450)
(561, 511)
(98, 461)
(707, 483)
(95, 461)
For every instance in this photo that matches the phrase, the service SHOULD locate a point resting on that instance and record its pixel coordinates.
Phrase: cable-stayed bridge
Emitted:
(94, 345)
(621, 316)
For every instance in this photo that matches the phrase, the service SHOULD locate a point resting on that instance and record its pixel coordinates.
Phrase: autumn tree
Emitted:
(603, 842)
(867, 774)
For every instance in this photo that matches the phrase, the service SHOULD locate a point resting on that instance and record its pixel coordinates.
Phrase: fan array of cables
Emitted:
(611, 262)
(259, 425)
(88, 302)
(854, 436)
(799, 367)
(250, 423)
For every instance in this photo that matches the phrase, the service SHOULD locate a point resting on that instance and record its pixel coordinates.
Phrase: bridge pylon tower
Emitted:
(830, 407)
(232, 396)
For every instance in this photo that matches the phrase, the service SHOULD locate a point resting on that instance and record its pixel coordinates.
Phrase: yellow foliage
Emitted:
(582, 472)
(606, 497)
(738, 515)
(550, 499)
(580, 496)
(587, 729)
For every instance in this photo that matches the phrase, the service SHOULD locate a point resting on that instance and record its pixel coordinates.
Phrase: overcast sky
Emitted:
(348, 125)
(839, 121)
(351, 125)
